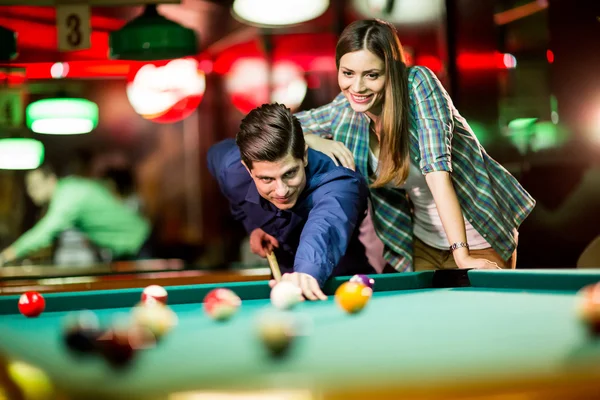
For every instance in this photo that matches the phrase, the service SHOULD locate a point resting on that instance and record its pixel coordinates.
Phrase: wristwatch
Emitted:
(458, 246)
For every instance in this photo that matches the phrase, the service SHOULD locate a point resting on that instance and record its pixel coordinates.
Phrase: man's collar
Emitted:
(252, 195)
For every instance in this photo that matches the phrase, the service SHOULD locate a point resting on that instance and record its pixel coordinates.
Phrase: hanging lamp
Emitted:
(8, 44)
(150, 37)
(278, 12)
(21, 153)
(62, 116)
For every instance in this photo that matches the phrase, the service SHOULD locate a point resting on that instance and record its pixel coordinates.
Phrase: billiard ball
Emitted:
(364, 279)
(31, 304)
(221, 304)
(116, 347)
(277, 332)
(154, 293)
(81, 333)
(20, 380)
(155, 317)
(589, 308)
(285, 295)
(352, 296)
(141, 337)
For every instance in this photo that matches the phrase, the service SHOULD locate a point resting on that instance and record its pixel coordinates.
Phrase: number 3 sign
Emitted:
(73, 26)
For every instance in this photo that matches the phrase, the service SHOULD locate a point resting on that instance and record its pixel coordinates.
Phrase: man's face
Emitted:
(281, 182)
(40, 186)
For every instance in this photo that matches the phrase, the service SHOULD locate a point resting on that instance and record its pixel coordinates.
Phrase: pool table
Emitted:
(127, 281)
(114, 268)
(509, 333)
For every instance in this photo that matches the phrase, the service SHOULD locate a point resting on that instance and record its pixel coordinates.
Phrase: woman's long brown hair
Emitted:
(380, 38)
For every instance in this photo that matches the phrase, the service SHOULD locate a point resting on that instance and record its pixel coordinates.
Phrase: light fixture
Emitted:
(250, 84)
(8, 44)
(277, 12)
(402, 13)
(167, 93)
(383, 7)
(21, 153)
(151, 37)
(62, 116)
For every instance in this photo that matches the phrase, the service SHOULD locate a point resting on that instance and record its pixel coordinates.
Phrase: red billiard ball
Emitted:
(220, 304)
(31, 304)
(154, 293)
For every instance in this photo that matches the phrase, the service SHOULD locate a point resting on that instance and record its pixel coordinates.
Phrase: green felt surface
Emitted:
(418, 337)
(100, 299)
(542, 279)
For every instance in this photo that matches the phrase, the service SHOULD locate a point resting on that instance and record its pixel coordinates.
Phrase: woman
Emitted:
(439, 200)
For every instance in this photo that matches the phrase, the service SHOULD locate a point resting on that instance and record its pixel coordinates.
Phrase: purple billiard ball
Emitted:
(364, 279)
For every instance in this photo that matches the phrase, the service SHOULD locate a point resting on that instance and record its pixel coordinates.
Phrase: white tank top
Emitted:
(427, 223)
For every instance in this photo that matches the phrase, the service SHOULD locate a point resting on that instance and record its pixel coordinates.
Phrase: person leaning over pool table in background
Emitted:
(87, 205)
(292, 200)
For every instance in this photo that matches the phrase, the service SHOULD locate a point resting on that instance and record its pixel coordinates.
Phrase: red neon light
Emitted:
(48, 16)
(481, 61)
(34, 40)
(12, 78)
(431, 62)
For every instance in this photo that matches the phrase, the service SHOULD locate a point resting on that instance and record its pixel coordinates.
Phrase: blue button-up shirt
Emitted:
(319, 235)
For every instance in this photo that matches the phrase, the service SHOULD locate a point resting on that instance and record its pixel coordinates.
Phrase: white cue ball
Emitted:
(285, 295)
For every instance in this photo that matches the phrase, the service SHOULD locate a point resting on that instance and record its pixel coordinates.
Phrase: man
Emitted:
(84, 204)
(292, 200)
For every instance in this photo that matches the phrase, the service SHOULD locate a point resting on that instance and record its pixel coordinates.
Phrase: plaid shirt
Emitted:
(491, 199)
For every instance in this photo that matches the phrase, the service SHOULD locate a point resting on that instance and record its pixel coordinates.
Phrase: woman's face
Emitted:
(361, 77)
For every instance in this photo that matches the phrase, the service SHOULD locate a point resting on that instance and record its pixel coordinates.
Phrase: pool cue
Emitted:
(274, 265)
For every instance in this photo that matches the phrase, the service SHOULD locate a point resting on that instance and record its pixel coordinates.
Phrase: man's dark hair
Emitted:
(62, 167)
(269, 133)
(122, 178)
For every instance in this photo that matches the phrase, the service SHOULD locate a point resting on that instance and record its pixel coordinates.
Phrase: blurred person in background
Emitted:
(122, 183)
(86, 205)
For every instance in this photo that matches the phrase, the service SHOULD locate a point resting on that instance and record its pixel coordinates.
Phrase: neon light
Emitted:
(21, 153)
(68, 116)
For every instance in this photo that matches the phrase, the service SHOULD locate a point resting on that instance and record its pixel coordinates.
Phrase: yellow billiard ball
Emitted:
(25, 381)
(353, 296)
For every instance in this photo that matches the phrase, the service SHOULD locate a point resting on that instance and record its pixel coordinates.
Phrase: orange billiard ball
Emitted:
(353, 296)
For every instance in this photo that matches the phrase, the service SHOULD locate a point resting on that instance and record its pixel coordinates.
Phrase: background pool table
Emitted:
(121, 275)
(513, 333)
